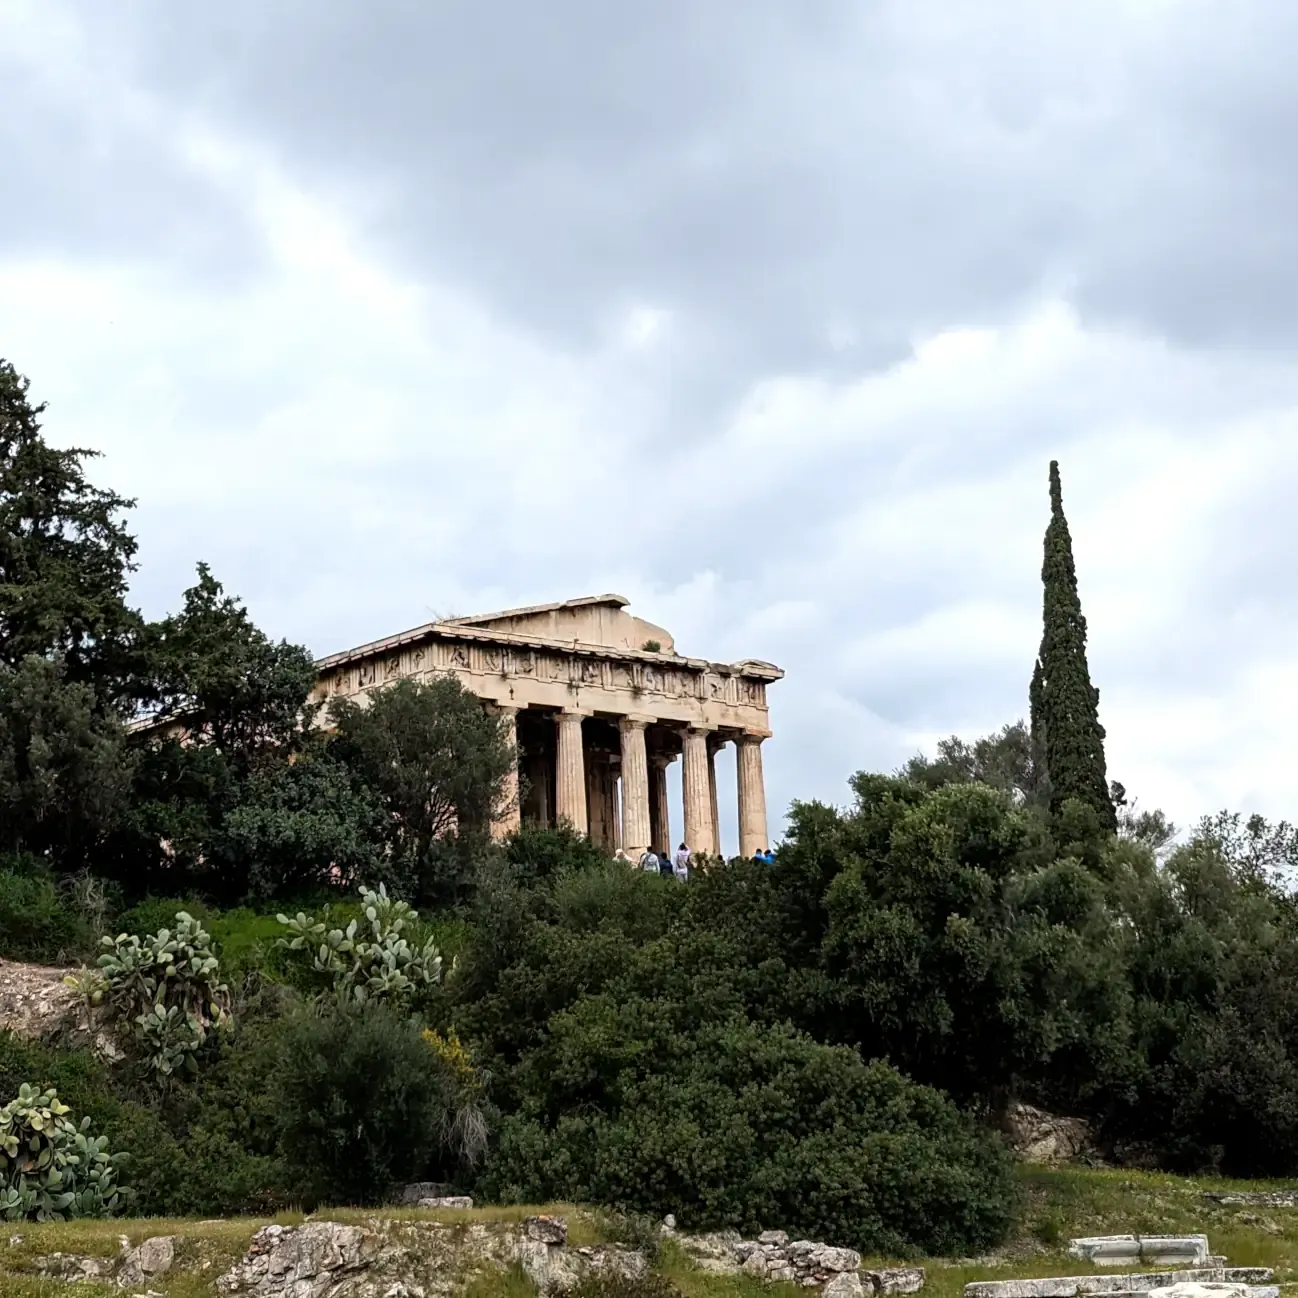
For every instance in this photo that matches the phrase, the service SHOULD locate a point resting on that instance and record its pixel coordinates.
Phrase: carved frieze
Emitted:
(674, 683)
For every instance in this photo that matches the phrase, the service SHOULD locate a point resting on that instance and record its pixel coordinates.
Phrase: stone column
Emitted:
(660, 825)
(635, 788)
(715, 745)
(508, 820)
(752, 794)
(698, 792)
(570, 772)
(601, 800)
(615, 779)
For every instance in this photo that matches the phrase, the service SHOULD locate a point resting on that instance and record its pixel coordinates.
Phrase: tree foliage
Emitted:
(438, 761)
(65, 556)
(64, 770)
(225, 682)
(1005, 760)
(301, 826)
(1065, 720)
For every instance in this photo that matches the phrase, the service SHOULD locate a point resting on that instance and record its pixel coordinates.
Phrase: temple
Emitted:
(601, 704)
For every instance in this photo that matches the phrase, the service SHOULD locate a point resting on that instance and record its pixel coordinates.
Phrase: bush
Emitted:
(36, 922)
(154, 913)
(737, 1126)
(50, 1168)
(363, 1103)
(164, 991)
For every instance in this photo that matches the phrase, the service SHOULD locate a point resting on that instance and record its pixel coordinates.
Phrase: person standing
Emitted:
(665, 862)
(649, 861)
(682, 863)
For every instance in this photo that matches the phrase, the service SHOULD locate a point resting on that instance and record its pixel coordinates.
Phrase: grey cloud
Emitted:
(760, 167)
(77, 178)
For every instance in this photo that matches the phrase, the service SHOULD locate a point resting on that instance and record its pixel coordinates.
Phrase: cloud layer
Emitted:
(769, 317)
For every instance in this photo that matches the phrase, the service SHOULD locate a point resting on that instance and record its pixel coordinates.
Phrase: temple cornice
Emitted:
(456, 630)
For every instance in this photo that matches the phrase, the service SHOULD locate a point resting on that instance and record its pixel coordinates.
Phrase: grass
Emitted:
(1057, 1205)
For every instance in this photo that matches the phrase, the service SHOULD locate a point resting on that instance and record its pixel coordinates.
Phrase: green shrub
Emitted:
(165, 992)
(362, 1101)
(369, 960)
(36, 921)
(51, 1168)
(154, 913)
(739, 1126)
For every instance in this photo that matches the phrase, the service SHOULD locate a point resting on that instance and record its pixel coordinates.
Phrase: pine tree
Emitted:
(1064, 704)
(65, 555)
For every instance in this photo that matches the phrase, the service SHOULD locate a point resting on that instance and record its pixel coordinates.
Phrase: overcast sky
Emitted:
(769, 316)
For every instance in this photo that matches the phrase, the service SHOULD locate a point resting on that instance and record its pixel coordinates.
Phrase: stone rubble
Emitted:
(416, 1190)
(1040, 1137)
(549, 1230)
(1131, 1250)
(896, 1279)
(773, 1257)
(1190, 1290)
(152, 1258)
(1070, 1286)
(1254, 1198)
(445, 1201)
(74, 1268)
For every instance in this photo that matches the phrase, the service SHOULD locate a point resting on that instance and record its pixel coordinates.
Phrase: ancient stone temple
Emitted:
(601, 705)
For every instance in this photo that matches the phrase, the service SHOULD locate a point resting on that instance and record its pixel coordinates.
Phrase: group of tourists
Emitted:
(664, 863)
(678, 866)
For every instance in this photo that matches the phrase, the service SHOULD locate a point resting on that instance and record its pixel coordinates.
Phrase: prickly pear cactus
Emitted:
(370, 963)
(51, 1169)
(165, 991)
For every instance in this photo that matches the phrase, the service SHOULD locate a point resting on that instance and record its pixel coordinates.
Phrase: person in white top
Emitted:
(682, 862)
(649, 861)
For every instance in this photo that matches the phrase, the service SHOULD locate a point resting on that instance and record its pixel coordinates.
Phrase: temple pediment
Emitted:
(596, 620)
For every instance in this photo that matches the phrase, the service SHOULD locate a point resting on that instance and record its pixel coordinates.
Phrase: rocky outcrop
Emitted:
(35, 1002)
(405, 1256)
(132, 1269)
(311, 1261)
(150, 1260)
(1040, 1137)
(412, 1259)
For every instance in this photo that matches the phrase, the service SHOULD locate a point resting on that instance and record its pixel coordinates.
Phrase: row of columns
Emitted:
(644, 814)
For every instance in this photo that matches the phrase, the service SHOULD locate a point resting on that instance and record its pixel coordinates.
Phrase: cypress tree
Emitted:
(1064, 704)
